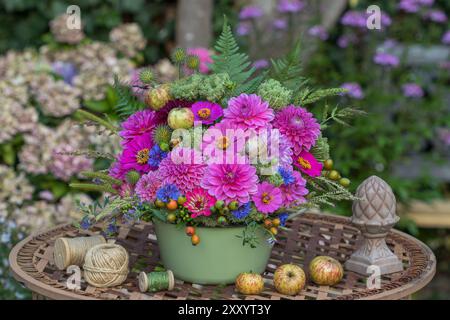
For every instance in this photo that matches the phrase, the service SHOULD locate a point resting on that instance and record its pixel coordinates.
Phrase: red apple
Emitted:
(325, 270)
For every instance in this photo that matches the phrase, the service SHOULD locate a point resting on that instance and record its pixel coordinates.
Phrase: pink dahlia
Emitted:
(199, 202)
(206, 112)
(136, 154)
(223, 142)
(299, 126)
(147, 186)
(231, 182)
(138, 124)
(205, 57)
(248, 112)
(294, 192)
(184, 168)
(268, 198)
(306, 162)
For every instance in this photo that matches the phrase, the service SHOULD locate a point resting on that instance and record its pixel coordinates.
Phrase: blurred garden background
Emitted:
(398, 75)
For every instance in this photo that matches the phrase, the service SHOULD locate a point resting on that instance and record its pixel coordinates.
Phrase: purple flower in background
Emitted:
(410, 6)
(427, 3)
(345, 40)
(290, 6)
(137, 86)
(354, 90)
(390, 43)
(437, 16)
(66, 70)
(354, 19)
(445, 65)
(243, 29)
(261, 64)
(444, 135)
(386, 59)
(412, 90)
(318, 31)
(250, 12)
(280, 24)
(446, 38)
(386, 20)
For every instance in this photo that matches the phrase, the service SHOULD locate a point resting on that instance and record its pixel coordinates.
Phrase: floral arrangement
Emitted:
(227, 148)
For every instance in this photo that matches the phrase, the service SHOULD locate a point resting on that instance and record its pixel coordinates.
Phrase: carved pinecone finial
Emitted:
(376, 204)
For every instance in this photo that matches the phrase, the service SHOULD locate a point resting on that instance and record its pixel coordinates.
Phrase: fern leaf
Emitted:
(317, 95)
(236, 64)
(127, 103)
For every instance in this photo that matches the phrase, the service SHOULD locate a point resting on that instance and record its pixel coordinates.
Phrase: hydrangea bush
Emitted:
(232, 147)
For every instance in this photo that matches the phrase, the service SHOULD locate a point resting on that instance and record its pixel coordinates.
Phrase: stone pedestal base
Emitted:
(374, 252)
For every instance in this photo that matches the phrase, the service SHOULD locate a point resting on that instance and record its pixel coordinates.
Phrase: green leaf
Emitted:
(97, 106)
(127, 103)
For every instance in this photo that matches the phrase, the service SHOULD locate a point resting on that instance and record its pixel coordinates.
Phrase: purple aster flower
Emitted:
(353, 90)
(156, 155)
(290, 6)
(243, 29)
(287, 175)
(427, 3)
(66, 70)
(111, 228)
(242, 211)
(446, 38)
(386, 59)
(437, 16)
(410, 6)
(250, 12)
(206, 112)
(280, 24)
(318, 32)
(168, 192)
(354, 18)
(412, 90)
(260, 64)
(85, 223)
(390, 43)
(345, 40)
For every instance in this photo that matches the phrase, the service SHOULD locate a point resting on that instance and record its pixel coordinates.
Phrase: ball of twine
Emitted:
(71, 251)
(106, 265)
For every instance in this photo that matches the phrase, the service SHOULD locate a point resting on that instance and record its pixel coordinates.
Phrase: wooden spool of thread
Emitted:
(156, 281)
(106, 265)
(71, 251)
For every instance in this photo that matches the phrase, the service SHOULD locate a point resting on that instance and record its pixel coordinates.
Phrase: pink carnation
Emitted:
(294, 192)
(147, 186)
(248, 112)
(268, 198)
(199, 202)
(185, 174)
(299, 126)
(231, 182)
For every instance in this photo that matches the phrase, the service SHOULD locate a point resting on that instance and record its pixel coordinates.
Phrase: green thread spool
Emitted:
(156, 281)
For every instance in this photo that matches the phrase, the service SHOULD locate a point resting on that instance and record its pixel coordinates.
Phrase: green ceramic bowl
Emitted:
(217, 259)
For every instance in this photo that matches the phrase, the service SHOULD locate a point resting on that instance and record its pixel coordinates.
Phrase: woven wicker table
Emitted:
(309, 235)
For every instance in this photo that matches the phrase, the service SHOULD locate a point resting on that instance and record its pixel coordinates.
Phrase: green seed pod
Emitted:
(193, 62)
(179, 56)
(162, 134)
(344, 182)
(133, 177)
(328, 164)
(219, 204)
(234, 205)
(334, 175)
(146, 76)
(221, 220)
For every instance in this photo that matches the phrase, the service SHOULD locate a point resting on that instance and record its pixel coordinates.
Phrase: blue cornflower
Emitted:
(156, 155)
(112, 227)
(287, 175)
(242, 211)
(283, 217)
(168, 192)
(85, 223)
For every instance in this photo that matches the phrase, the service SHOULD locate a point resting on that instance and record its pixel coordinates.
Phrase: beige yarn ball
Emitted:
(106, 265)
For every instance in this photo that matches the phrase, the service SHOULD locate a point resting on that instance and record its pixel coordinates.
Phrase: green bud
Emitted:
(164, 146)
(219, 204)
(146, 76)
(193, 62)
(222, 220)
(179, 56)
(133, 177)
(234, 205)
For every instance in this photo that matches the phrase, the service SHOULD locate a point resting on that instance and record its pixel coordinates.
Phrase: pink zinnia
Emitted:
(248, 112)
(136, 153)
(268, 198)
(299, 126)
(204, 56)
(138, 124)
(199, 202)
(147, 186)
(306, 162)
(231, 182)
(186, 175)
(206, 112)
(294, 192)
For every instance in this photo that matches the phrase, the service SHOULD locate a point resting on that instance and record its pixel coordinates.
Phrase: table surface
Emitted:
(306, 236)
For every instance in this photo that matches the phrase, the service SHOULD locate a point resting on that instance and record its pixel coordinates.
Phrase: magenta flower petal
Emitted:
(248, 112)
(268, 198)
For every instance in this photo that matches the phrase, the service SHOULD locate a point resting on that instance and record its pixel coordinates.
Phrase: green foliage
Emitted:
(93, 187)
(234, 63)
(106, 123)
(275, 179)
(274, 93)
(106, 178)
(202, 87)
(127, 103)
(308, 96)
(327, 192)
(321, 151)
(339, 115)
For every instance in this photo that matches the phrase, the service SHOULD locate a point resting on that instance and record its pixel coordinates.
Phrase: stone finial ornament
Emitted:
(374, 215)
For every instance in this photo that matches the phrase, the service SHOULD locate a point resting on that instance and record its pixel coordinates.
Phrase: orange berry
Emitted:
(190, 231)
(195, 239)
(172, 205)
(267, 223)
